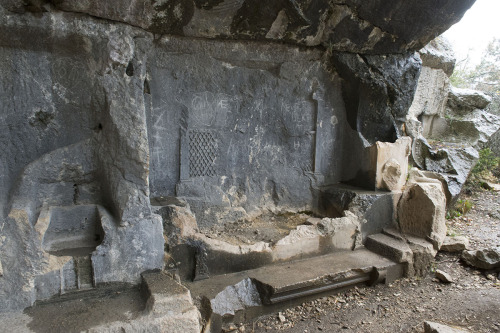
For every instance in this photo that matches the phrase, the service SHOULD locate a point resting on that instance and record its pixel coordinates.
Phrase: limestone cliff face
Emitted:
(235, 105)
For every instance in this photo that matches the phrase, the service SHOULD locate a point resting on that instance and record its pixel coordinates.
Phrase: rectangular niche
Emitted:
(73, 230)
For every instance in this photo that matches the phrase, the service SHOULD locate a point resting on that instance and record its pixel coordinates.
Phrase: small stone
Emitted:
(281, 317)
(443, 276)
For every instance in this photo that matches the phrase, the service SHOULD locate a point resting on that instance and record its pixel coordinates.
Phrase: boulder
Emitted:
(453, 163)
(494, 143)
(463, 101)
(421, 211)
(483, 259)
(438, 54)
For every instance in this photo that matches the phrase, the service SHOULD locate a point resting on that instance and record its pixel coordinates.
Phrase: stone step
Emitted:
(389, 247)
(393, 233)
(254, 292)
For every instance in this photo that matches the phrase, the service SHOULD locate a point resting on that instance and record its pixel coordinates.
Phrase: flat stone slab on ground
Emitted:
(455, 244)
(301, 275)
(431, 327)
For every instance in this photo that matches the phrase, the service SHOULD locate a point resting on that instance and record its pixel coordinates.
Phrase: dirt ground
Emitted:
(267, 227)
(472, 301)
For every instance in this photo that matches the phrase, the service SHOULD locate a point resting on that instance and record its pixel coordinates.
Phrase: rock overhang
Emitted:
(374, 27)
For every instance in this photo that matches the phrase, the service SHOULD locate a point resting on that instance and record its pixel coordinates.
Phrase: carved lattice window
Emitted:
(202, 153)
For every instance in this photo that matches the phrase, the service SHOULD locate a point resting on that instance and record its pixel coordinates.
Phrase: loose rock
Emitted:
(455, 244)
(443, 276)
(484, 259)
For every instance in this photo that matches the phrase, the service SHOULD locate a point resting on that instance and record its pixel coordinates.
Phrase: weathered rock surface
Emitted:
(438, 54)
(452, 162)
(367, 80)
(494, 143)
(454, 244)
(81, 120)
(179, 223)
(484, 259)
(416, 254)
(431, 94)
(221, 256)
(352, 26)
(169, 308)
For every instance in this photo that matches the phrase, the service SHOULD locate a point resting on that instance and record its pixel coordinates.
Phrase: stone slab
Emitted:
(431, 327)
(387, 246)
(311, 273)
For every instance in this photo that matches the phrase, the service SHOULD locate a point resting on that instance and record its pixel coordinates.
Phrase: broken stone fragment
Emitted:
(421, 212)
(391, 173)
(423, 255)
(443, 276)
(240, 296)
(455, 244)
(179, 223)
(392, 164)
(484, 259)
(453, 163)
(431, 327)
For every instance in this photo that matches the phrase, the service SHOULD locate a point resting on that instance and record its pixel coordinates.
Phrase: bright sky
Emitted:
(479, 26)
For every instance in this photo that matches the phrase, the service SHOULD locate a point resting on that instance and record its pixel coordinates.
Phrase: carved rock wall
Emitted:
(101, 105)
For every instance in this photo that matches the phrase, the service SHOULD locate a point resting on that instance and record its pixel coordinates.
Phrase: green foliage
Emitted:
(487, 162)
(462, 207)
(487, 169)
